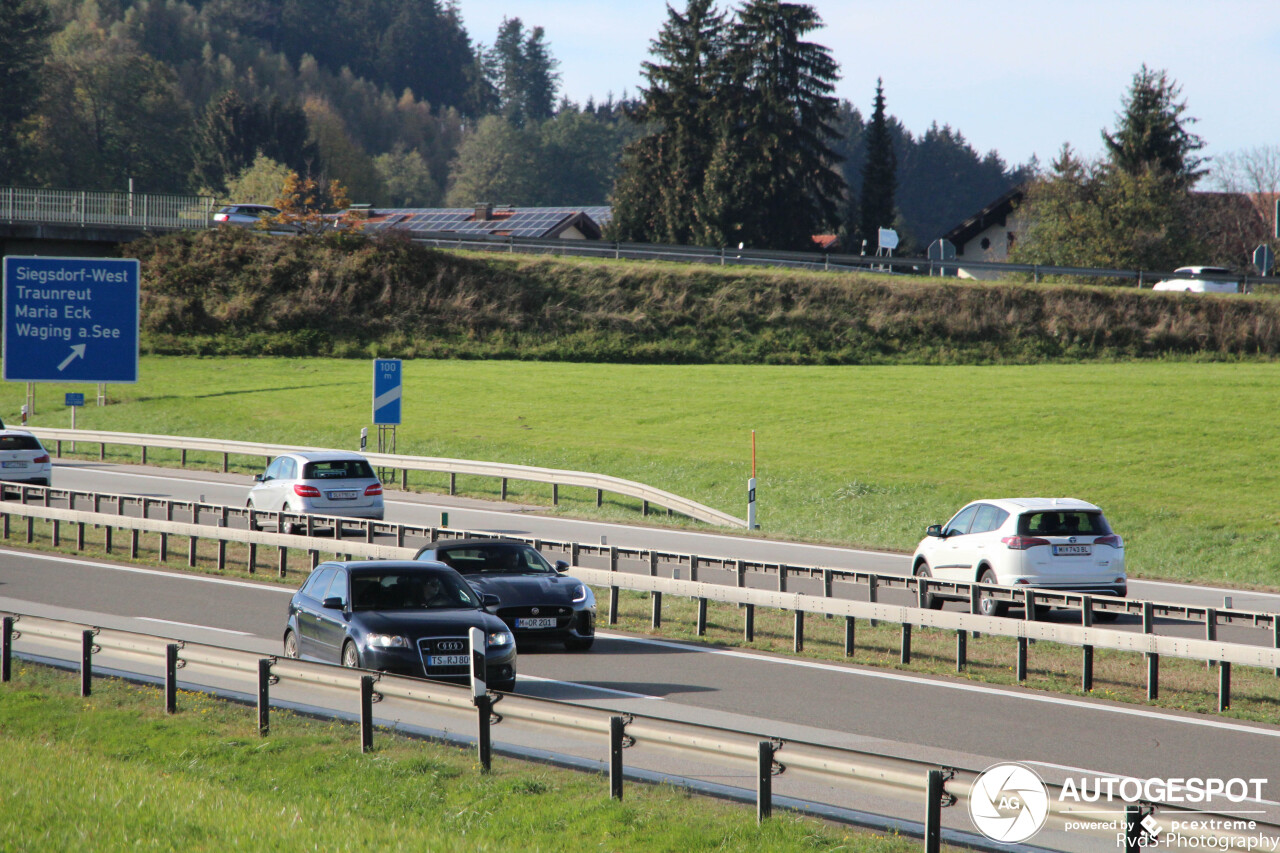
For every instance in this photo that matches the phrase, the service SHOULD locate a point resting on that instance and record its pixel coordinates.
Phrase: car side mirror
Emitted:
(562, 566)
(259, 478)
(934, 530)
(333, 602)
(489, 600)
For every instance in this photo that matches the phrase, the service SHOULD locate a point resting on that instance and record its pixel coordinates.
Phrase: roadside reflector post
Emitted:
(1153, 676)
(613, 605)
(797, 643)
(1086, 667)
(764, 781)
(617, 729)
(86, 663)
(1022, 659)
(872, 582)
(962, 650)
(480, 696)
(1224, 685)
(933, 812)
(171, 678)
(749, 622)
(264, 696)
(366, 713)
(906, 643)
(702, 617)
(657, 609)
(850, 635)
(6, 649)
(1210, 630)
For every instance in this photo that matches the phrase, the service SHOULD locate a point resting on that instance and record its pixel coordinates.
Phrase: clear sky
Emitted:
(1019, 77)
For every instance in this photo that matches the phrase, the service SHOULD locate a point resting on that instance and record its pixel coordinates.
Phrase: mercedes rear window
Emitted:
(1063, 523)
(338, 469)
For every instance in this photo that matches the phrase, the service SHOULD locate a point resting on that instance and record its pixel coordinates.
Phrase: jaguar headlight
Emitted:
(387, 641)
(498, 639)
(579, 593)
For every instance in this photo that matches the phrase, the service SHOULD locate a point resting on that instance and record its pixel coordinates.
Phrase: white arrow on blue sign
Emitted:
(386, 391)
(70, 319)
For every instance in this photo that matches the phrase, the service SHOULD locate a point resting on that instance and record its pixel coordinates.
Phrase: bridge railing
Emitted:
(148, 211)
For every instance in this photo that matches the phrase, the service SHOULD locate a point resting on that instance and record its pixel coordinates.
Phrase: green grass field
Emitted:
(114, 772)
(1182, 456)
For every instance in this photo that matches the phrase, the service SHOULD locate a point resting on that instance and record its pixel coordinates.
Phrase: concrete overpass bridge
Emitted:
(81, 223)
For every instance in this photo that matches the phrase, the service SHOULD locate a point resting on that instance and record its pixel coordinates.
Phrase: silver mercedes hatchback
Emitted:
(319, 483)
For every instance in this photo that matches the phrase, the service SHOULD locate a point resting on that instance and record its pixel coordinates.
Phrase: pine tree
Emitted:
(1152, 133)
(774, 182)
(522, 71)
(879, 175)
(25, 27)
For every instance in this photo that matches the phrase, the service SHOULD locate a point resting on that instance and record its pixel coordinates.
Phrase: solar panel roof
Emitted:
(516, 221)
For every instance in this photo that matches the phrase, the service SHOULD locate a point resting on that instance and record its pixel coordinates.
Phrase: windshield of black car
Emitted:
(1063, 523)
(401, 590)
(496, 559)
(338, 469)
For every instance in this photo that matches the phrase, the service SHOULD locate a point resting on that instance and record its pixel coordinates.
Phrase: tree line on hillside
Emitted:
(399, 104)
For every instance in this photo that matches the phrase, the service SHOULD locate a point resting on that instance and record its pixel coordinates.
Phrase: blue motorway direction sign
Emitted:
(386, 391)
(70, 319)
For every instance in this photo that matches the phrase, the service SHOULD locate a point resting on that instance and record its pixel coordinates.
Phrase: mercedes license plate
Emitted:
(342, 496)
(449, 660)
(1072, 550)
(15, 465)
(540, 622)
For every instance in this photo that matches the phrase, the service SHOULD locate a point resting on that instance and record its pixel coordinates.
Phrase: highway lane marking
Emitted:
(1144, 713)
(62, 558)
(192, 625)
(610, 525)
(626, 693)
(1087, 772)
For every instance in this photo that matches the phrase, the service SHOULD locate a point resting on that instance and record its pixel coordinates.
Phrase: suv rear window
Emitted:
(338, 469)
(1063, 523)
(19, 442)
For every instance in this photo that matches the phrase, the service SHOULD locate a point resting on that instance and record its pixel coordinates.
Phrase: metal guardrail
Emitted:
(793, 260)
(1085, 635)
(553, 476)
(848, 770)
(145, 211)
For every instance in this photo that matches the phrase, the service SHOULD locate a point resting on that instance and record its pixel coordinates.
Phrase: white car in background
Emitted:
(327, 482)
(1218, 280)
(1048, 543)
(23, 458)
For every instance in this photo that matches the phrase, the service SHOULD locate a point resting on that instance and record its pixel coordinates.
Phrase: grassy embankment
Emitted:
(232, 292)
(113, 772)
(1183, 457)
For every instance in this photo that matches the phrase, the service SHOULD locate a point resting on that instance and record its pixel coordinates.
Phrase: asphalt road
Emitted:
(950, 721)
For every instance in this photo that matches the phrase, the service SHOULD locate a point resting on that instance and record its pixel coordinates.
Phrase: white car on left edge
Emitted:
(1050, 543)
(23, 458)
(325, 482)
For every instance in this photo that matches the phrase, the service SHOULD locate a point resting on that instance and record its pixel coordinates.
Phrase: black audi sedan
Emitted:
(539, 601)
(406, 617)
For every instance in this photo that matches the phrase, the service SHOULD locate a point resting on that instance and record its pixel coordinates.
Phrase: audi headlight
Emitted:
(579, 593)
(386, 641)
(497, 639)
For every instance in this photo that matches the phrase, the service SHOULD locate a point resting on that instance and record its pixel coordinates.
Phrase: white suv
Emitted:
(1050, 543)
(1210, 280)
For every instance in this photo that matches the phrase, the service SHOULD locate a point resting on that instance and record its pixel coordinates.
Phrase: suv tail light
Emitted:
(41, 459)
(375, 489)
(1022, 543)
(1113, 540)
(305, 491)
